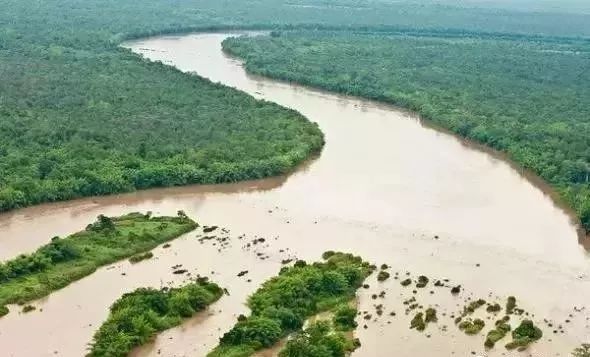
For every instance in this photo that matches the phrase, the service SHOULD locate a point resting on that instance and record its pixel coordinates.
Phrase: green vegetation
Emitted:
(421, 320)
(525, 334)
(523, 96)
(284, 302)
(62, 261)
(140, 257)
(510, 305)
(422, 281)
(430, 315)
(582, 351)
(28, 308)
(383, 275)
(472, 327)
(319, 340)
(496, 334)
(3, 310)
(80, 116)
(418, 322)
(344, 318)
(138, 316)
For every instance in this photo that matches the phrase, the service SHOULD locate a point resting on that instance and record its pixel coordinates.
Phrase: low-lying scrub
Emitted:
(62, 261)
(138, 316)
(495, 335)
(284, 302)
(141, 257)
(472, 327)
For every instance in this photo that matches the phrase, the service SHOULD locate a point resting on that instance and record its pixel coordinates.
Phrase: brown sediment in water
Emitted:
(383, 188)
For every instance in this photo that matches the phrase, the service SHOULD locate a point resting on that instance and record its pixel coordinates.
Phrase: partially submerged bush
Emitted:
(582, 351)
(140, 257)
(496, 334)
(383, 275)
(525, 334)
(29, 308)
(472, 306)
(319, 340)
(472, 327)
(406, 282)
(510, 305)
(430, 315)
(418, 322)
(422, 281)
(494, 308)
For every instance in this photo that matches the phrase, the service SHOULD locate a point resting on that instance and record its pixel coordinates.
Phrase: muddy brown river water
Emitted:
(384, 186)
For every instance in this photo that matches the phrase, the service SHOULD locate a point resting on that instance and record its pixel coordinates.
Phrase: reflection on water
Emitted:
(384, 187)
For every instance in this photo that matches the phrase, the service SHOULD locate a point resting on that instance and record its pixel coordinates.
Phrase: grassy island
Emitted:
(284, 303)
(138, 316)
(65, 260)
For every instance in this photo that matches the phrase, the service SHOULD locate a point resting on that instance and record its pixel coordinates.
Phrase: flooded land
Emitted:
(386, 187)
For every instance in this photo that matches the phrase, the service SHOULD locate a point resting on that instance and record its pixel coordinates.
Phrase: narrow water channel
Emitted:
(385, 187)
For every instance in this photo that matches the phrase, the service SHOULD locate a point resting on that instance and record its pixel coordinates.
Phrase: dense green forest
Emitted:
(80, 116)
(285, 302)
(137, 316)
(65, 260)
(526, 97)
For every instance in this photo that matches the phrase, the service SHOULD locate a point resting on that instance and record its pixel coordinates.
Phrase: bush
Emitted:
(382, 276)
(525, 334)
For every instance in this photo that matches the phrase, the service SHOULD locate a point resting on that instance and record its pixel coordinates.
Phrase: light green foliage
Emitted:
(496, 334)
(62, 261)
(136, 317)
(521, 95)
(318, 340)
(284, 302)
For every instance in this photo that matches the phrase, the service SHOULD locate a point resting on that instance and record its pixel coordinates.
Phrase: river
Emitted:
(386, 187)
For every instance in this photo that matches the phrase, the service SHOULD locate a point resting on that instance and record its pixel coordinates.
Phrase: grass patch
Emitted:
(63, 261)
(284, 302)
(138, 316)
